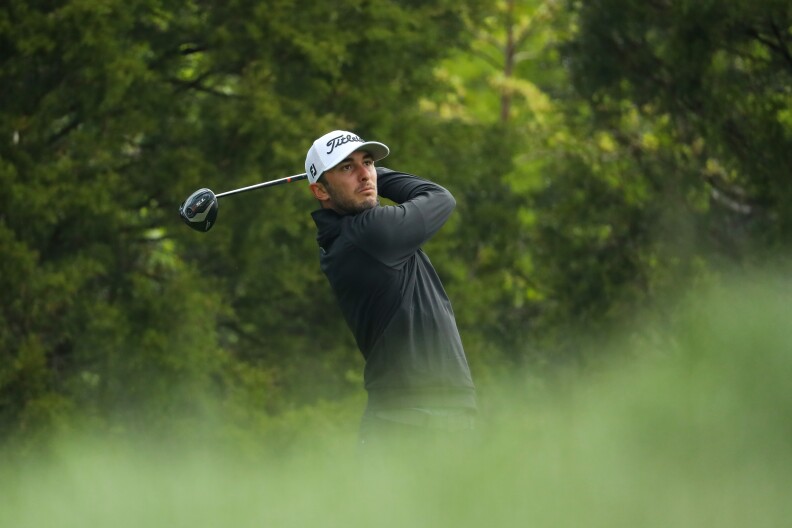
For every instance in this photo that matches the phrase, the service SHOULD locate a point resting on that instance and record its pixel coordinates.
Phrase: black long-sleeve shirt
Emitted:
(392, 298)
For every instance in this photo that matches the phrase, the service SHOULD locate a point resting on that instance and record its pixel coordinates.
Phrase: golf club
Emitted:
(199, 210)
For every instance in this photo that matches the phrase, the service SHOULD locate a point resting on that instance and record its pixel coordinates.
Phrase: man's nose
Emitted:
(362, 171)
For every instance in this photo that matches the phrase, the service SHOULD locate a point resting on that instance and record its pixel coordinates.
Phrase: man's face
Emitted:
(350, 186)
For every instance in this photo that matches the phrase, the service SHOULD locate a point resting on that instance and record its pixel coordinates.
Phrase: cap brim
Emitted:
(376, 149)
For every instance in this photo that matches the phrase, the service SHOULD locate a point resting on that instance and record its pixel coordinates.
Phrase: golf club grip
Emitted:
(287, 179)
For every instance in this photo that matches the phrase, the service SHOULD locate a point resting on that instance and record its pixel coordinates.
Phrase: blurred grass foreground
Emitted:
(695, 432)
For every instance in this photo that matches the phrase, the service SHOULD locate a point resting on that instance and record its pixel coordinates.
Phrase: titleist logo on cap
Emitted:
(331, 149)
(342, 140)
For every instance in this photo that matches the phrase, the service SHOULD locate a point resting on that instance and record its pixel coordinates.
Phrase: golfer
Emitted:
(416, 375)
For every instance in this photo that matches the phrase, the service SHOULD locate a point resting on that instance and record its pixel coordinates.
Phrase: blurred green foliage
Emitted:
(606, 157)
(689, 431)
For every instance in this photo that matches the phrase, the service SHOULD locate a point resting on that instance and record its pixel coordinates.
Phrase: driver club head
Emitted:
(199, 210)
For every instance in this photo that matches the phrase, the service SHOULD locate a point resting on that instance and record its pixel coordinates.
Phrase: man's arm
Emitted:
(393, 233)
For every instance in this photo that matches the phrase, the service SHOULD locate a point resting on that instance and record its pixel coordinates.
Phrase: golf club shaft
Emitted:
(287, 179)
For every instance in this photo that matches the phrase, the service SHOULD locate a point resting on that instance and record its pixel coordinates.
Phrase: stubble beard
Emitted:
(349, 206)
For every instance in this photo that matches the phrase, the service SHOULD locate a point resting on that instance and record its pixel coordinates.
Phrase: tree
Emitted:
(649, 143)
(720, 72)
(115, 111)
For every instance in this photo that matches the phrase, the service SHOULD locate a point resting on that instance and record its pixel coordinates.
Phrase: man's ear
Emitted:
(319, 191)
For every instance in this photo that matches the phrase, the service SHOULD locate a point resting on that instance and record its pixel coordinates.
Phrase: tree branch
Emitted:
(778, 47)
(197, 85)
(63, 132)
(488, 59)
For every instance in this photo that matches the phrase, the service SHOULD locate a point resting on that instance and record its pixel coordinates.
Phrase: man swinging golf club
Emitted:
(416, 375)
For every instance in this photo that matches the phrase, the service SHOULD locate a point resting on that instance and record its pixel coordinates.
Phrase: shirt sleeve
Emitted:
(392, 233)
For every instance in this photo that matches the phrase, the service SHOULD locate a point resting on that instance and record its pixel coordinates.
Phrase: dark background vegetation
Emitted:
(607, 156)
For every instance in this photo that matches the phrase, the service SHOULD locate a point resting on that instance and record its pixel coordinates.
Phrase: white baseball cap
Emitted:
(332, 148)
